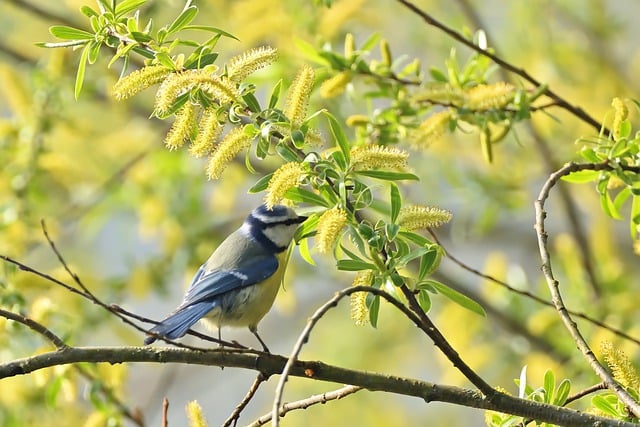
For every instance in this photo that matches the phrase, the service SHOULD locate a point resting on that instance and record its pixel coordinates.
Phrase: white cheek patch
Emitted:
(280, 235)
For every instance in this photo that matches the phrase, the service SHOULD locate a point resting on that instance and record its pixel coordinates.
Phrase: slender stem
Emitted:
(554, 285)
(561, 102)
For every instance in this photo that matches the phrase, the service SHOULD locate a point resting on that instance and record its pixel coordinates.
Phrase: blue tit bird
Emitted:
(237, 285)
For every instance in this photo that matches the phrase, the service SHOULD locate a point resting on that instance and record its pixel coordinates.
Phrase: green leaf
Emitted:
(457, 297)
(261, 185)
(562, 393)
(549, 385)
(424, 300)
(183, 19)
(396, 202)
(275, 95)
(94, 52)
(429, 262)
(309, 51)
(211, 30)
(374, 309)
(438, 75)
(127, 6)
(82, 66)
(635, 216)
(307, 228)
(581, 177)
(370, 42)
(608, 206)
(621, 198)
(164, 59)
(389, 176)
(601, 403)
(305, 252)
(302, 195)
(69, 33)
(355, 265)
(415, 238)
(141, 37)
(339, 136)
(88, 11)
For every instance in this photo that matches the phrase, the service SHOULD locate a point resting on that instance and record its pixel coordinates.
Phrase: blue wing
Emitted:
(205, 290)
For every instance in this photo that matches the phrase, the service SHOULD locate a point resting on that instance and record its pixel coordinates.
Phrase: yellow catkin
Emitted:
(636, 247)
(182, 128)
(335, 85)
(367, 157)
(358, 300)
(298, 96)
(349, 45)
(621, 112)
(139, 80)
(287, 176)
(356, 120)
(442, 93)
(330, 225)
(621, 367)
(417, 217)
(194, 413)
(232, 144)
(314, 138)
(240, 66)
(431, 129)
(209, 131)
(486, 97)
(179, 83)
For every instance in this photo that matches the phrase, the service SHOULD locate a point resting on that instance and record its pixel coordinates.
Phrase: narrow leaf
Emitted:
(127, 6)
(305, 196)
(562, 393)
(457, 297)
(354, 265)
(389, 176)
(82, 66)
(261, 185)
(374, 309)
(396, 202)
(69, 33)
(339, 135)
(183, 19)
(581, 177)
(549, 385)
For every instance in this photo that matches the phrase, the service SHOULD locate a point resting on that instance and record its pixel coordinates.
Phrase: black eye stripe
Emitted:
(264, 225)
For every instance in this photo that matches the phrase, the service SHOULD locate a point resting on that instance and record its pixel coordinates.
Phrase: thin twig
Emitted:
(416, 315)
(310, 401)
(587, 391)
(303, 338)
(235, 415)
(527, 294)
(561, 102)
(165, 413)
(35, 326)
(548, 158)
(554, 288)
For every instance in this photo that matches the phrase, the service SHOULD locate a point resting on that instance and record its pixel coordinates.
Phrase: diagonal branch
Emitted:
(310, 401)
(35, 326)
(561, 102)
(554, 286)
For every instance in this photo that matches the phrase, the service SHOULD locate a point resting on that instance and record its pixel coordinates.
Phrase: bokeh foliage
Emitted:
(89, 165)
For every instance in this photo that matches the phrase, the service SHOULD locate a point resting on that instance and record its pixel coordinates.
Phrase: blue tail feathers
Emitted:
(178, 323)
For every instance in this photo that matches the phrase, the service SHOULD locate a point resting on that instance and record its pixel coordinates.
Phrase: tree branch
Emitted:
(310, 401)
(554, 286)
(270, 364)
(561, 102)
